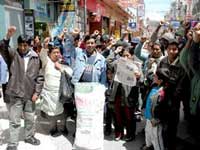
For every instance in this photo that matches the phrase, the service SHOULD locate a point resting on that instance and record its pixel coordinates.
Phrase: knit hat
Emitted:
(167, 36)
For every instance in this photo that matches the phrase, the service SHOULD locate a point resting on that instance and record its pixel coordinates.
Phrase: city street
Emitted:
(66, 143)
(62, 143)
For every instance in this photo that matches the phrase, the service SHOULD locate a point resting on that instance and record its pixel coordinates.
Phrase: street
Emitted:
(61, 142)
(66, 143)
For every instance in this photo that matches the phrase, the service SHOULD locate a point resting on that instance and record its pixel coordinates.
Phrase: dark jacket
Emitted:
(4, 47)
(23, 84)
(129, 95)
(174, 89)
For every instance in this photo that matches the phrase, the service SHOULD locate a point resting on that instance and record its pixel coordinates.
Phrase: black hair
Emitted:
(86, 38)
(24, 39)
(52, 46)
(77, 37)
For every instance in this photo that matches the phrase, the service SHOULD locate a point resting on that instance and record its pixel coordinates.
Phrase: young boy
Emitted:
(153, 129)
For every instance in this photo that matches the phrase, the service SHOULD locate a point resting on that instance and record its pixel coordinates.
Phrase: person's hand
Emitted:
(76, 31)
(118, 49)
(189, 35)
(96, 32)
(137, 74)
(196, 33)
(34, 97)
(143, 39)
(11, 31)
(161, 23)
(113, 42)
(57, 65)
(46, 42)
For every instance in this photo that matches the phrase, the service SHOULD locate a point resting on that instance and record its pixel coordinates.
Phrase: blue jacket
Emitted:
(3, 71)
(69, 53)
(99, 72)
(147, 112)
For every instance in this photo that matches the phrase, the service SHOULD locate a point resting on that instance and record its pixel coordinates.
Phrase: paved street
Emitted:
(60, 143)
(66, 143)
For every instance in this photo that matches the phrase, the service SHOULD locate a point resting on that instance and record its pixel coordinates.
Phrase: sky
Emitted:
(156, 9)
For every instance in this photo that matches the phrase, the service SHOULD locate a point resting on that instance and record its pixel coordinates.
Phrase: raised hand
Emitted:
(196, 33)
(11, 31)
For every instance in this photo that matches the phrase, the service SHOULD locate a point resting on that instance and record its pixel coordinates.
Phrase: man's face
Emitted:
(90, 45)
(156, 51)
(172, 51)
(23, 48)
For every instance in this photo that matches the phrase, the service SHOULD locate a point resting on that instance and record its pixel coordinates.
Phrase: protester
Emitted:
(174, 92)
(51, 106)
(22, 90)
(89, 73)
(153, 129)
(90, 66)
(189, 59)
(124, 97)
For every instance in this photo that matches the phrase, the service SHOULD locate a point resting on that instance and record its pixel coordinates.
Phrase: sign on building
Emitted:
(29, 23)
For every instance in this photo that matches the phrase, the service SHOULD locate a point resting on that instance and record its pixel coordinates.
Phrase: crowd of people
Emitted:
(165, 71)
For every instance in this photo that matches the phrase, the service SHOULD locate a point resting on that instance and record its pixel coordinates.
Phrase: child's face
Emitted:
(157, 80)
(109, 75)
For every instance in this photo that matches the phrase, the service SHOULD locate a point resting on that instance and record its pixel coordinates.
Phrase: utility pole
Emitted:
(85, 16)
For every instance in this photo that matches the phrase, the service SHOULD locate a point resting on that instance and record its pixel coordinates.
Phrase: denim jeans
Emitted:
(16, 108)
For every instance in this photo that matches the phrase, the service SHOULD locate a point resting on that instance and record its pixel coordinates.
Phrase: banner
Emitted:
(125, 71)
(89, 99)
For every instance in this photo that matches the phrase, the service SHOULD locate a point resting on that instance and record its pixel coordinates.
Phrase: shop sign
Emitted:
(29, 23)
(140, 10)
(175, 24)
(69, 5)
(132, 25)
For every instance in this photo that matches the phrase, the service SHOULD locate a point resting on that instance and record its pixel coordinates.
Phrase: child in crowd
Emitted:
(153, 128)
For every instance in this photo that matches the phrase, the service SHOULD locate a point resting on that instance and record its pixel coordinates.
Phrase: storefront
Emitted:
(11, 13)
(106, 16)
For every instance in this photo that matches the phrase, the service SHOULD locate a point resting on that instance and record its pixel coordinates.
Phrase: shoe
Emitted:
(118, 137)
(129, 138)
(11, 148)
(145, 148)
(55, 133)
(65, 132)
(107, 132)
(32, 140)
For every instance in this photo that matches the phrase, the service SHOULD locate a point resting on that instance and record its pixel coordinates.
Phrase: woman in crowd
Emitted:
(51, 106)
(124, 98)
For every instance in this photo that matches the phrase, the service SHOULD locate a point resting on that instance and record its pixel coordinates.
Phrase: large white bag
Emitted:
(89, 99)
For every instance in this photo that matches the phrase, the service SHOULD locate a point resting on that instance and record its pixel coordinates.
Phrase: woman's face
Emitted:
(126, 55)
(54, 54)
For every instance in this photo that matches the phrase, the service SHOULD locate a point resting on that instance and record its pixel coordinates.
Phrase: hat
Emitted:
(104, 38)
(122, 43)
(157, 42)
(167, 36)
(173, 41)
(98, 43)
(180, 32)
